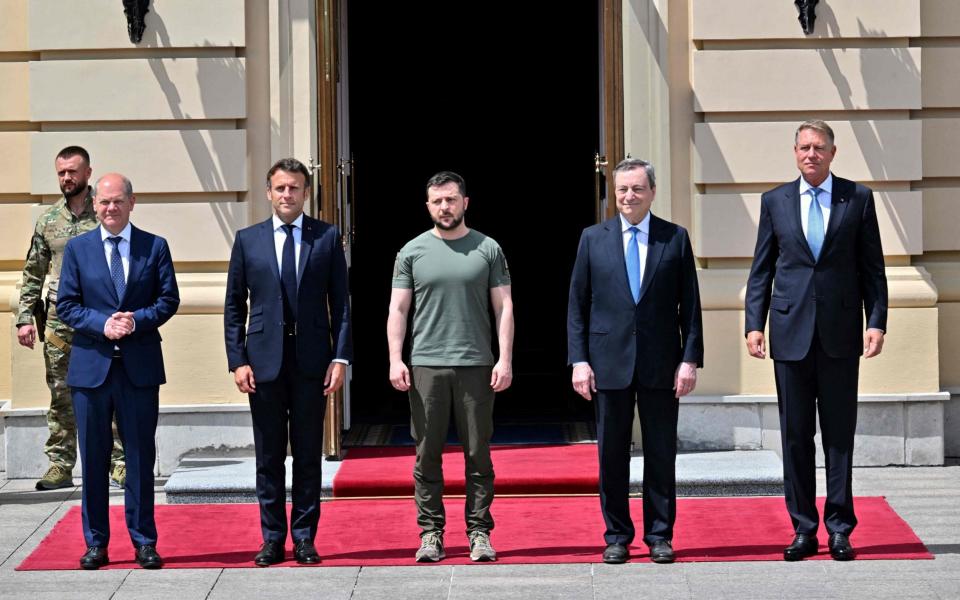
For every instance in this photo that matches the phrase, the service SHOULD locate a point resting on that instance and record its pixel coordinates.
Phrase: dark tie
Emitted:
(288, 277)
(815, 232)
(633, 264)
(116, 267)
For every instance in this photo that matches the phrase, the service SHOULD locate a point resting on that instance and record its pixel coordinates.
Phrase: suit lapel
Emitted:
(138, 257)
(307, 237)
(614, 249)
(269, 248)
(792, 198)
(840, 199)
(655, 244)
(98, 259)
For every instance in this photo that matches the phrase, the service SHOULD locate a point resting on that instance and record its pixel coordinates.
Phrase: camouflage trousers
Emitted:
(61, 446)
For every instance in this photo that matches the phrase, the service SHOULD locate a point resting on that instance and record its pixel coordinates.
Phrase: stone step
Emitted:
(206, 479)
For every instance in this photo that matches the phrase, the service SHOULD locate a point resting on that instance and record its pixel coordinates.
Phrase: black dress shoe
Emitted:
(305, 552)
(148, 558)
(661, 551)
(840, 548)
(803, 545)
(270, 553)
(94, 558)
(615, 554)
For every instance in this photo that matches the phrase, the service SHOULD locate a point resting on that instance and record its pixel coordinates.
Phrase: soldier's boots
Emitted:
(55, 478)
(118, 475)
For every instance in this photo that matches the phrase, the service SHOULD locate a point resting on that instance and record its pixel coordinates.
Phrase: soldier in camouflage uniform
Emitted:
(70, 216)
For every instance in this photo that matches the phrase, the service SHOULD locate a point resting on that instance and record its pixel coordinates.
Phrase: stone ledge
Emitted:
(942, 396)
(228, 478)
(232, 477)
(892, 429)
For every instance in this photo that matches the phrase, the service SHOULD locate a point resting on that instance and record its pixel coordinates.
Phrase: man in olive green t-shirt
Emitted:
(451, 275)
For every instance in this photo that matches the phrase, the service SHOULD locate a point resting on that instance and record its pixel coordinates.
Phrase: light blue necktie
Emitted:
(116, 267)
(815, 224)
(633, 264)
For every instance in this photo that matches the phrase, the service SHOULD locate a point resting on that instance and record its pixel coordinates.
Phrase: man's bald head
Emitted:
(115, 181)
(114, 202)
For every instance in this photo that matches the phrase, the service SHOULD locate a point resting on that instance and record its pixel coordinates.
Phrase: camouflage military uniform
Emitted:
(54, 228)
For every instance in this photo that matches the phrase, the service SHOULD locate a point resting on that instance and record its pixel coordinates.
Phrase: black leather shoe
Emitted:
(661, 551)
(803, 545)
(94, 558)
(615, 554)
(148, 558)
(840, 548)
(270, 553)
(305, 552)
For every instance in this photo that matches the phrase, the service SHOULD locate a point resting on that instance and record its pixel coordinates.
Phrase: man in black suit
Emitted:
(634, 338)
(817, 267)
(292, 353)
(117, 287)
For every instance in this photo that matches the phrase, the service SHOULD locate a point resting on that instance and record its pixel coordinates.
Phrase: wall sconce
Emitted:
(808, 14)
(136, 10)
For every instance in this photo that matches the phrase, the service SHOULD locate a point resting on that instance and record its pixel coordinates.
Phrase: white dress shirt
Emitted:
(124, 247)
(824, 197)
(280, 237)
(643, 237)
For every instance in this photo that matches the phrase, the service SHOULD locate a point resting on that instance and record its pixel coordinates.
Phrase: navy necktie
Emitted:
(116, 267)
(815, 233)
(633, 264)
(288, 277)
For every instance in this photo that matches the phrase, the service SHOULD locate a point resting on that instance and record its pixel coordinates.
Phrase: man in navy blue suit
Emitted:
(817, 267)
(117, 287)
(292, 353)
(634, 339)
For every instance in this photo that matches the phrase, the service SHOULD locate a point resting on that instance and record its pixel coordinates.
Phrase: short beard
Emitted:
(81, 188)
(453, 224)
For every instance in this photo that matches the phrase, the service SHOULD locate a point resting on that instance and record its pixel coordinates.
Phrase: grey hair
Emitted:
(632, 164)
(127, 186)
(816, 125)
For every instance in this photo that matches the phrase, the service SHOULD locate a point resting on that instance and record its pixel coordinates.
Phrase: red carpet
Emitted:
(544, 469)
(529, 530)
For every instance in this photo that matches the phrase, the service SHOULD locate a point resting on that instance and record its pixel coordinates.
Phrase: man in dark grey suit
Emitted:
(817, 267)
(292, 353)
(634, 334)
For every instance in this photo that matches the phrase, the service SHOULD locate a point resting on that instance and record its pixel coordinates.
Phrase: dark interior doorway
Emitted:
(507, 96)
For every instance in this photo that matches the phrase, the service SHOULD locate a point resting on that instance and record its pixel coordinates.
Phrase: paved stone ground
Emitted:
(928, 498)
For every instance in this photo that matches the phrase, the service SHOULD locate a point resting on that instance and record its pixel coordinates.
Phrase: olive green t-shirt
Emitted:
(451, 282)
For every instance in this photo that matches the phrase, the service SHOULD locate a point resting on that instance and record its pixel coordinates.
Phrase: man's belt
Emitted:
(57, 341)
(290, 329)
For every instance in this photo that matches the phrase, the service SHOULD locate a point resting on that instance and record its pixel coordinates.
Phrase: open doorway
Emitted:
(507, 96)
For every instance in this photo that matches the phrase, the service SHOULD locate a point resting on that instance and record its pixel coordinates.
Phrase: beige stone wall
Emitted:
(188, 114)
(713, 91)
(883, 73)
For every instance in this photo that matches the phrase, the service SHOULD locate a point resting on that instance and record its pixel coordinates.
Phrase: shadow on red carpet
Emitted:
(529, 530)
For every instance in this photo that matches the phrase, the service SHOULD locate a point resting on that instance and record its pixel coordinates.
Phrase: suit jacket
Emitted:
(619, 337)
(828, 295)
(323, 310)
(87, 297)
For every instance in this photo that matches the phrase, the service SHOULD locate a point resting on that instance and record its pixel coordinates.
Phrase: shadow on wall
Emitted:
(875, 77)
(210, 73)
(730, 356)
